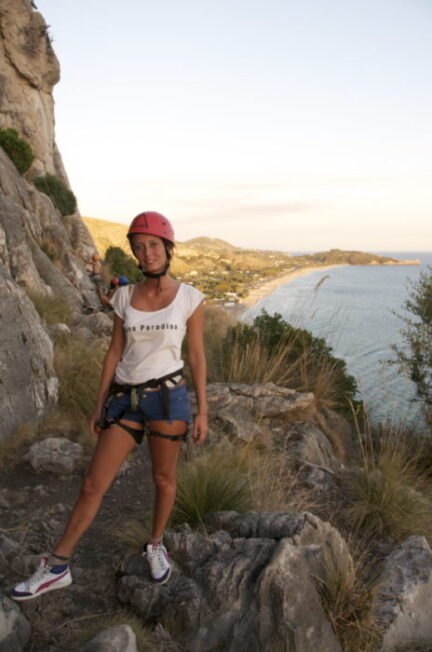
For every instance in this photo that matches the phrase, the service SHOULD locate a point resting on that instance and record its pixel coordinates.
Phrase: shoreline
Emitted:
(265, 288)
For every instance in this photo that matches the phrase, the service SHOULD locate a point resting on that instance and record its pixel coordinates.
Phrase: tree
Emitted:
(416, 357)
(121, 264)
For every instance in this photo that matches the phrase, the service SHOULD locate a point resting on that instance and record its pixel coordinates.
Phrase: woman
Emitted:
(142, 391)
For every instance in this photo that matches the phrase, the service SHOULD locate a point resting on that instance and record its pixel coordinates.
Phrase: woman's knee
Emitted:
(164, 480)
(93, 487)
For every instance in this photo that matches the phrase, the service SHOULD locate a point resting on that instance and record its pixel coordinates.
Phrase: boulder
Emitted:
(402, 604)
(309, 445)
(99, 323)
(8, 547)
(55, 455)
(249, 412)
(250, 585)
(15, 629)
(114, 639)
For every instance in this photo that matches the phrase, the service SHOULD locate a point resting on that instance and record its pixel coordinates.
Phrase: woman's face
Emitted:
(150, 252)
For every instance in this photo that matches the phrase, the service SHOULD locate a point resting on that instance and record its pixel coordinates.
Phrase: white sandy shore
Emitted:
(261, 290)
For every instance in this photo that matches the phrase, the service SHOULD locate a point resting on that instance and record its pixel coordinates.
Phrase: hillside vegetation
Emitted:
(224, 272)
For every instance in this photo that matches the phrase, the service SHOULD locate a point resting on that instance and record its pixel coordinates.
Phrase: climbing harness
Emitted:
(165, 383)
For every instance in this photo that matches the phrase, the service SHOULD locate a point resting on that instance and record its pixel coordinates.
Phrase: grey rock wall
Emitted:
(40, 251)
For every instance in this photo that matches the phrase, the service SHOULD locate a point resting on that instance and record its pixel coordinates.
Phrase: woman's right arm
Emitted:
(112, 357)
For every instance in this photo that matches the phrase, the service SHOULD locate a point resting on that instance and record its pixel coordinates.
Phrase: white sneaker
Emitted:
(46, 578)
(160, 566)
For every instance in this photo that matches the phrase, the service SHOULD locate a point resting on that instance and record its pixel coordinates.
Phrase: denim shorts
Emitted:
(150, 406)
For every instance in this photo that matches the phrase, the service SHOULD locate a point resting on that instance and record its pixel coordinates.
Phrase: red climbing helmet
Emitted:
(152, 223)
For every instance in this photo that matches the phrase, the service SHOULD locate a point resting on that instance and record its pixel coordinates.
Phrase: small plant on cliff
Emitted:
(18, 150)
(416, 358)
(59, 193)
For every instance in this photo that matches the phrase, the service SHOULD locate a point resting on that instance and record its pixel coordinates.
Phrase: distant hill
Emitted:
(209, 243)
(227, 273)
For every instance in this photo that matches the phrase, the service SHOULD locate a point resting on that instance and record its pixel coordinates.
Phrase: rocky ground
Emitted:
(33, 511)
(250, 582)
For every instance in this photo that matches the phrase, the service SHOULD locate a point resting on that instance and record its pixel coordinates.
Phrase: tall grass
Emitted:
(210, 483)
(78, 366)
(346, 599)
(53, 310)
(391, 494)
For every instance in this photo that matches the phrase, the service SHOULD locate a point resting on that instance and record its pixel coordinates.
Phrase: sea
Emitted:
(358, 310)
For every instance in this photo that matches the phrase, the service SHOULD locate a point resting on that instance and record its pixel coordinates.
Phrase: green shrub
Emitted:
(271, 350)
(121, 264)
(59, 193)
(18, 150)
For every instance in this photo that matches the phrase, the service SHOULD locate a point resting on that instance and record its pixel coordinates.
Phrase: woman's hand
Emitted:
(95, 429)
(200, 428)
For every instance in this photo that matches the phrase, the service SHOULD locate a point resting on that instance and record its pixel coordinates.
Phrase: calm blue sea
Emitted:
(356, 310)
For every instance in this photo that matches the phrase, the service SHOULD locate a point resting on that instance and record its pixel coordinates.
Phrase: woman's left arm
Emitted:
(198, 367)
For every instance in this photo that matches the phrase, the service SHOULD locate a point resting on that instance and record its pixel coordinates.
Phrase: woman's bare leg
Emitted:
(113, 446)
(164, 454)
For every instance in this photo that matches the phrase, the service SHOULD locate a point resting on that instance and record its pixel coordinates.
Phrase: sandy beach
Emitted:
(261, 290)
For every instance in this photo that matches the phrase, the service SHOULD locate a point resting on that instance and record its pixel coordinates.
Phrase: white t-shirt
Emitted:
(153, 339)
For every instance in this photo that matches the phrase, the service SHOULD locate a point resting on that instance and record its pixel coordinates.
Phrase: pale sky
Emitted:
(290, 125)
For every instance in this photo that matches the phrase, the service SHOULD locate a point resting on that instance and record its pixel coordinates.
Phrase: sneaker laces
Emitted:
(37, 575)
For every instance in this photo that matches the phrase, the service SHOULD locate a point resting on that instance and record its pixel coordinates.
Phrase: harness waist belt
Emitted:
(175, 377)
(166, 382)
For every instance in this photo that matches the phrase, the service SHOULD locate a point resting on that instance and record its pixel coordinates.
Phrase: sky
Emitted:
(297, 125)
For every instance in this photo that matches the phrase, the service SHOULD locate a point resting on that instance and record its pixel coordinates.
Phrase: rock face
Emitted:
(248, 586)
(28, 382)
(40, 251)
(15, 629)
(28, 71)
(402, 606)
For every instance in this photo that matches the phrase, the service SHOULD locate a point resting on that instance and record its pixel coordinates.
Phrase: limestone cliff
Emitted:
(40, 251)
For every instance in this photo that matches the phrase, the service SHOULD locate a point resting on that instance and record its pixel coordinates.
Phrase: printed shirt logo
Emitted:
(153, 327)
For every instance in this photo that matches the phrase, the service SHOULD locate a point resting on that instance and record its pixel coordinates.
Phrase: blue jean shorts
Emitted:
(150, 407)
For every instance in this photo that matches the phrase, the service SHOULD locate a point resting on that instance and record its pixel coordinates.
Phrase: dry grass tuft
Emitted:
(347, 599)
(133, 533)
(53, 310)
(210, 483)
(78, 366)
(273, 483)
(391, 495)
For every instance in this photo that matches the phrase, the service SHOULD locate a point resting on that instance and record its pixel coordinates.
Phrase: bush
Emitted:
(18, 150)
(416, 359)
(59, 193)
(121, 264)
(271, 350)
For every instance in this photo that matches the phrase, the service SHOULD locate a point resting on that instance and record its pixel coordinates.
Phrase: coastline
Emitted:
(264, 288)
